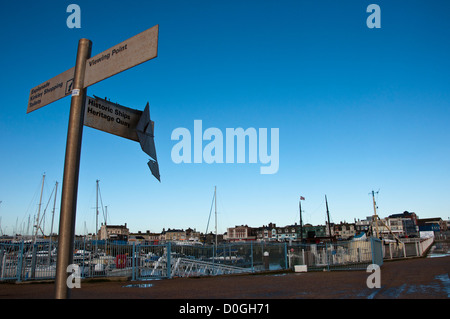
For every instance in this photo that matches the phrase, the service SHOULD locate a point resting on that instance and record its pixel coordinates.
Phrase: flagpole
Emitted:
(301, 220)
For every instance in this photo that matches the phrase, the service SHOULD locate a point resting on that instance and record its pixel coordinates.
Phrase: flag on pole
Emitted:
(302, 198)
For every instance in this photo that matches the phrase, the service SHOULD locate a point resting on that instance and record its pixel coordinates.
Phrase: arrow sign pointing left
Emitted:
(125, 122)
(51, 90)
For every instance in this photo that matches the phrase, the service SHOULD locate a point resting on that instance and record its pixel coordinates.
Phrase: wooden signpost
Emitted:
(128, 123)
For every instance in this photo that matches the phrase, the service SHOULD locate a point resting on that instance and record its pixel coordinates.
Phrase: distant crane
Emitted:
(376, 220)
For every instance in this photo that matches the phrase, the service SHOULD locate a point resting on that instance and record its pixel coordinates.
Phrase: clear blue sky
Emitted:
(357, 109)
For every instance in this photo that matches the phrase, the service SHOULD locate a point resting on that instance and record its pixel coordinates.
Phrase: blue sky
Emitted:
(357, 109)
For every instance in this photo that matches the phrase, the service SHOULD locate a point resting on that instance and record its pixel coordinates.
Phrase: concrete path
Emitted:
(414, 278)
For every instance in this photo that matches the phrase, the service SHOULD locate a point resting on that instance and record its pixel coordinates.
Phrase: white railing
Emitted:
(184, 267)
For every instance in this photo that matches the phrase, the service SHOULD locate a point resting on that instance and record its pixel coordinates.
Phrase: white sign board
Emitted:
(426, 234)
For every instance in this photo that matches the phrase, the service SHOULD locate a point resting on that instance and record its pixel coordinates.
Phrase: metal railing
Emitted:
(37, 261)
(406, 248)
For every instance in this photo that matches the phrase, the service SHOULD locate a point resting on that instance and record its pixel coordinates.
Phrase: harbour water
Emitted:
(439, 249)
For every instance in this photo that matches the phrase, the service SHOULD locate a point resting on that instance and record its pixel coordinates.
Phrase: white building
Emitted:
(113, 232)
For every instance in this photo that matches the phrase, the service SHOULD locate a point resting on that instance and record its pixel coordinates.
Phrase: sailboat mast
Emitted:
(96, 212)
(28, 226)
(328, 217)
(39, 210)
(53, 211)
(301, 220)
(1, 231)
(215, 209)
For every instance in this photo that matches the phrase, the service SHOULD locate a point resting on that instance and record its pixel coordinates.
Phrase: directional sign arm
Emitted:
(125, 55)
(154, 168)
(51, 90)
(145, 132)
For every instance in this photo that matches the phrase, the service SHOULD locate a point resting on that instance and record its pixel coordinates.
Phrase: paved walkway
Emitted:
(405, 279)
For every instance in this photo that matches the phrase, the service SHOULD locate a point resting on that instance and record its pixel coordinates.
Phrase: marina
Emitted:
(112, 254)
(24, 261)
(421, 278)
